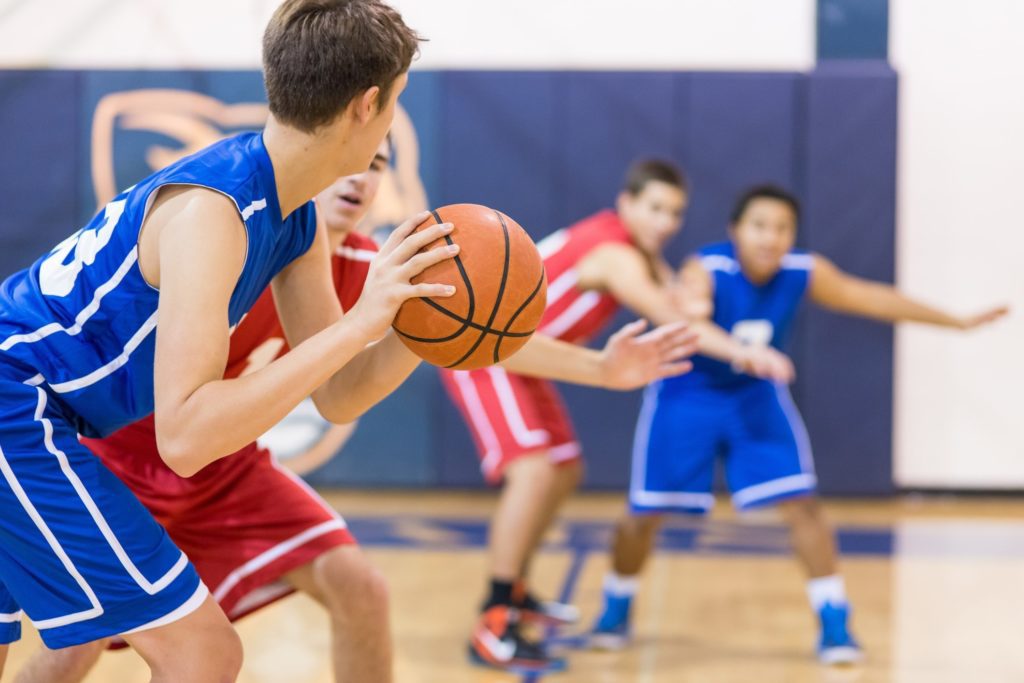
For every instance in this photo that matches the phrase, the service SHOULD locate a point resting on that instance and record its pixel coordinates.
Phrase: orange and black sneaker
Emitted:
(546, 612)
(497, 643)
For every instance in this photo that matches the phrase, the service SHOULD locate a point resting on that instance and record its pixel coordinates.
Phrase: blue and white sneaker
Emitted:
(837, 646)
(612, 631)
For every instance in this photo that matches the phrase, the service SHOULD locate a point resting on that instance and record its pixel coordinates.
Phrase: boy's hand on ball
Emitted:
(388, 283)
(632, 359)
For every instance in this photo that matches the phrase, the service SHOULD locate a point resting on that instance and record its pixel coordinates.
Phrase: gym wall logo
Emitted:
(137, 132)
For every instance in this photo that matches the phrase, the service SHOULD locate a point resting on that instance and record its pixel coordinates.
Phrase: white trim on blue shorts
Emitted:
(794, 483)
(674, 499)
(152, 588)
(180, 612)
(796, 425)
(96, 609)
(11, 618)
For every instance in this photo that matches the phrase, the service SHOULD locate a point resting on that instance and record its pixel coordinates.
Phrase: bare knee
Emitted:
(350, 584)
(200, 647)
(803, 511)
(65, 664)
(642, 525)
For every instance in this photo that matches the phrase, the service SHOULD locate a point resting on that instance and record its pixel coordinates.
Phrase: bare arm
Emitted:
(624, 273)
(378, 370)
(697, 299)
(839, 291)
(629, 360)
(200, 416)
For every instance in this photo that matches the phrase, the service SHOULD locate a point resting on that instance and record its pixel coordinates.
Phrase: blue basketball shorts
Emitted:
(79, 555)
(683, 431)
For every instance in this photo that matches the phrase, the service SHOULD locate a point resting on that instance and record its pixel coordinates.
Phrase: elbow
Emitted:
(178, 455)
(339, 413)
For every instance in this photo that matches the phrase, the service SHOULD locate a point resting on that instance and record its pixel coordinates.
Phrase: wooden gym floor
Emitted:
(937, 587)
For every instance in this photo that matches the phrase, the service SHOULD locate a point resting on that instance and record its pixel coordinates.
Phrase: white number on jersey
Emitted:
(754, 332)
(57, 278)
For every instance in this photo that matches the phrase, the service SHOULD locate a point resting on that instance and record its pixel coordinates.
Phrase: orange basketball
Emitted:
(500, 293)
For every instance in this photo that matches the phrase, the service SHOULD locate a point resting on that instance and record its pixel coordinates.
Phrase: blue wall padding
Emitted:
(549, 147)
(846, 365)
(39, 163)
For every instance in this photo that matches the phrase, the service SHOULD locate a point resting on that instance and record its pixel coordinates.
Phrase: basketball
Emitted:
(500, 293)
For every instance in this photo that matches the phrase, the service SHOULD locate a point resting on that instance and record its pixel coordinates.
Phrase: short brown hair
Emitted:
(649, 170)
(320, 54)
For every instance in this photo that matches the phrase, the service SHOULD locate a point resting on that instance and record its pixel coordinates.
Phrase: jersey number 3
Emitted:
(57, 274)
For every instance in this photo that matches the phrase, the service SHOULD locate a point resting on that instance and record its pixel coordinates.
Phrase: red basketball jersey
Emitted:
(256, 341)
(575, 314)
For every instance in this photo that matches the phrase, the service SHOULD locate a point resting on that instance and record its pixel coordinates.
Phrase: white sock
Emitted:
(826, 590)
(620, 586)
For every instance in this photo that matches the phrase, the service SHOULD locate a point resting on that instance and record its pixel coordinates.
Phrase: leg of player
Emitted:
(567, 477)
(67, 665)
(631, 546)
(814, 543)
(530, 487)
(200, 648)
(355, 595)
(3, 659)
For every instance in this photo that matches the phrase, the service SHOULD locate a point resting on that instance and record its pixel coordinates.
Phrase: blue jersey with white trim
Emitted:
(81, 320)
(760, 314)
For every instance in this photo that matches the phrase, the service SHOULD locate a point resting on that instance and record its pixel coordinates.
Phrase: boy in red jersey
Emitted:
(250, 554)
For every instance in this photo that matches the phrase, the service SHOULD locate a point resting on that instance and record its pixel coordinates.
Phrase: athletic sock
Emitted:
(620, 586)
(501, 594)
(826, 590)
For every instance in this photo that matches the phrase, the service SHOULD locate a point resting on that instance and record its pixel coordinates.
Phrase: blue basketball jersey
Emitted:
(753, 314)
(80, 322)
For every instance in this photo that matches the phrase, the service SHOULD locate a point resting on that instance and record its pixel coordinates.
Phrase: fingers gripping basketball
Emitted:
(500, 294)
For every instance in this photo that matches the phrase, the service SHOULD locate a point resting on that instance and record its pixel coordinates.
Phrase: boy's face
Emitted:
(366, 135)
(346, 201)
(764, 234)
(654, 215)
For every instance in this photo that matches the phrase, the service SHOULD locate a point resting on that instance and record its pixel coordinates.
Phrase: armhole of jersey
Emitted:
(810, 274)
(151, 198)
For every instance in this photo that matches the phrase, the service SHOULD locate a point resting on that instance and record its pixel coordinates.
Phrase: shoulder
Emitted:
(799, 260)
(717, 258)
(194, 204)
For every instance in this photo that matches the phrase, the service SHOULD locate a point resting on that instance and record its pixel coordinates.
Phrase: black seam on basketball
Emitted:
(462, 272)
(505, 332)
(497, 299)
(468, 320)
(470, 323)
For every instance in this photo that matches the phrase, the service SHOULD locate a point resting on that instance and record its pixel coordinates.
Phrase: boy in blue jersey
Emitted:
(192, 247)
(749, 287)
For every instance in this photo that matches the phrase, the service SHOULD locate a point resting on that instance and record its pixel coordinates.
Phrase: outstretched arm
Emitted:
(629, 360)
(624, 273)
(839, 291)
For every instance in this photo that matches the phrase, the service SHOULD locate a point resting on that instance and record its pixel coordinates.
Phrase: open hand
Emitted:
(631, 359)
(398, 261)
(990, 316)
